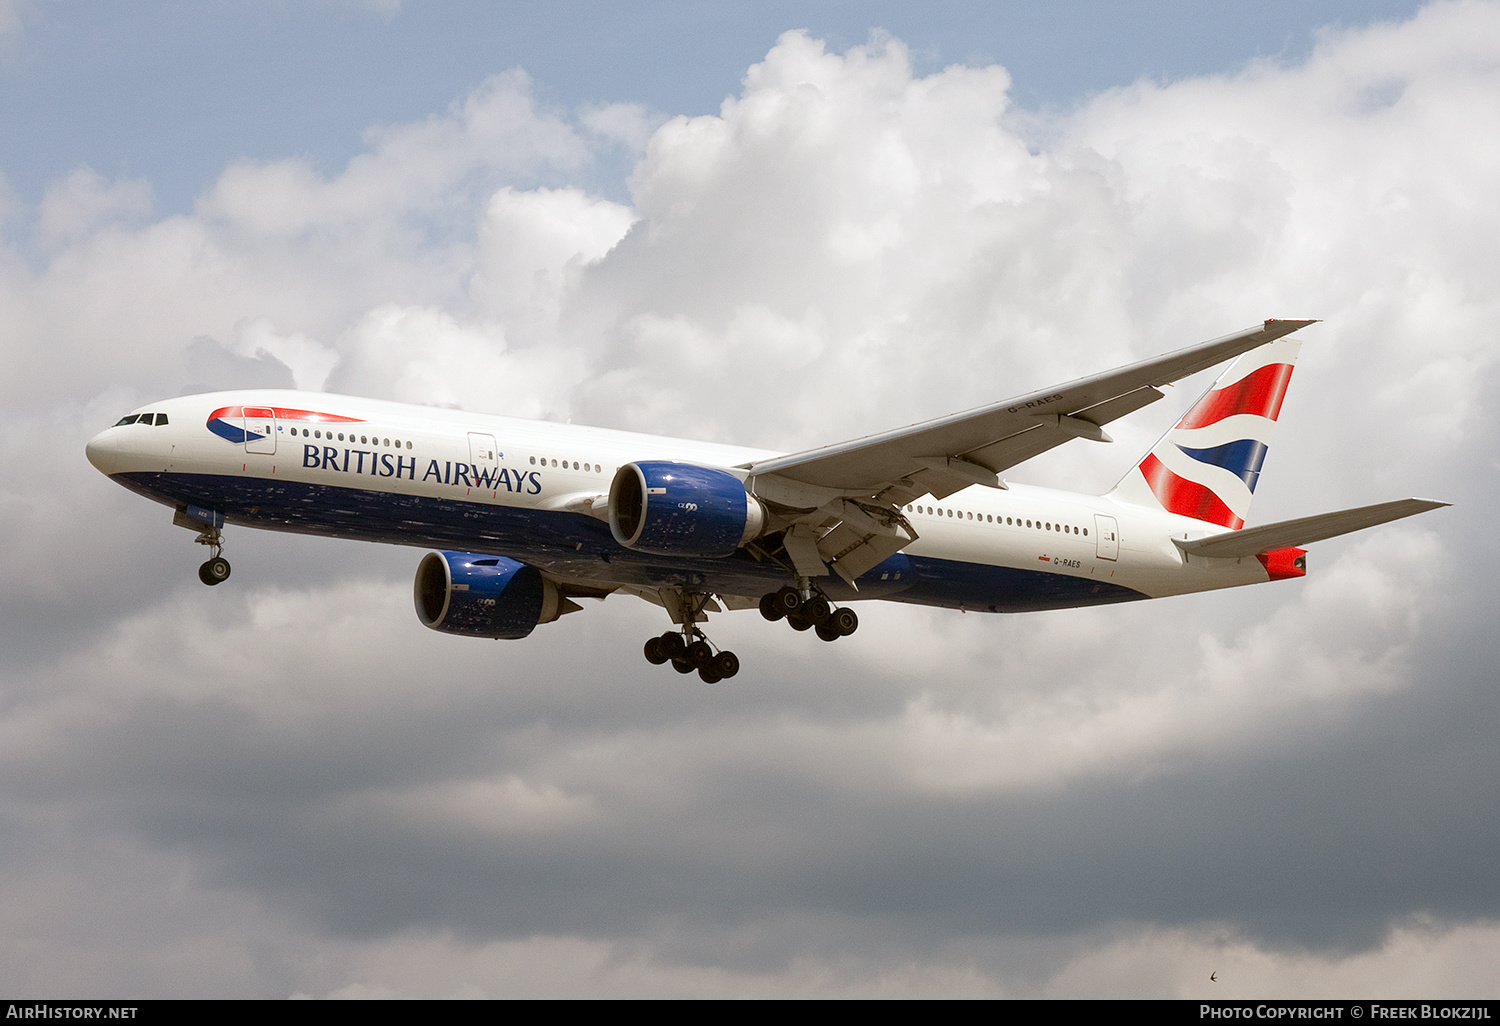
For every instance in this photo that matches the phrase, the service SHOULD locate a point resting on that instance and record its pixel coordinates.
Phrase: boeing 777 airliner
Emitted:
(530, 516)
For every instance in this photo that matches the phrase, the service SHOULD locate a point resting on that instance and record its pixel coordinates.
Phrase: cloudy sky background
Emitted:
(781, 229)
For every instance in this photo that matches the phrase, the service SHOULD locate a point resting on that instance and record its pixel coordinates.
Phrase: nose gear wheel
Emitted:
(215, 570)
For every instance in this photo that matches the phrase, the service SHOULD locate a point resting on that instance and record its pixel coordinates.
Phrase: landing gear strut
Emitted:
(810, 611)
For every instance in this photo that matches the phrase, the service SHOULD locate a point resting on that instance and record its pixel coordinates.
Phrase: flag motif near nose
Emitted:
(228, 422)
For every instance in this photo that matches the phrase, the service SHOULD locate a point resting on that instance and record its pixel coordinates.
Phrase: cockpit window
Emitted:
(161, 418)
(128, 420)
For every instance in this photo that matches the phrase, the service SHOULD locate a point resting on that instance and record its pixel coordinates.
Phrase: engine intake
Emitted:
(680, 509)
(483, 596)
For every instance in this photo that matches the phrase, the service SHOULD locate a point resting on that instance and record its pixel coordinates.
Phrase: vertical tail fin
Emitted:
(1207, 466)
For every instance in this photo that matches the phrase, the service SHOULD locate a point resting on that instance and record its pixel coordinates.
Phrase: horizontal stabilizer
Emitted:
(1304, 530)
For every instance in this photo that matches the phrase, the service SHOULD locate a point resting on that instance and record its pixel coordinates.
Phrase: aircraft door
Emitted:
(260, 429)
(482, 451)
(1108, 536)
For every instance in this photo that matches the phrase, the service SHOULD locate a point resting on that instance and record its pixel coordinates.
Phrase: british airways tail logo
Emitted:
(1209, 464)
(240, 424)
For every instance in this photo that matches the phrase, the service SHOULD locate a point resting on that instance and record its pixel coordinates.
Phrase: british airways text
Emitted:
(385, 464)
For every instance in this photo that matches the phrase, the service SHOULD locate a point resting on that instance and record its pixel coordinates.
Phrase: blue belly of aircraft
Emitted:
(579, 547)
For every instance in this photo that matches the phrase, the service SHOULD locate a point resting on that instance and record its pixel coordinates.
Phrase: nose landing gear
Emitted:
(215, 570)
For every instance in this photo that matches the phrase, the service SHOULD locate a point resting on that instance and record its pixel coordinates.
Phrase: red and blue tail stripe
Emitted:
(1208, 465)
(1257, 394)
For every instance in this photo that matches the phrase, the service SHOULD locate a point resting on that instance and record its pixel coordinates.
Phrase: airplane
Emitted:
(527, 516)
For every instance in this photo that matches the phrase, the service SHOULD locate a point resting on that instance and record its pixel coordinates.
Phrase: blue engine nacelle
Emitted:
(679, 509)
(483, 596)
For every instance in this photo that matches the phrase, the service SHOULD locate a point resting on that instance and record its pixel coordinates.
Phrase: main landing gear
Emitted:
(688, 649)
(813, 611)
(691, 651)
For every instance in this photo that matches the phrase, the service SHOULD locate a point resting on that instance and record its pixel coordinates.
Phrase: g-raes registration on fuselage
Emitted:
(529, 516)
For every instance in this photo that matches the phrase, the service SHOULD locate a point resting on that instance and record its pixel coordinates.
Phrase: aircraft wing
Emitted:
(951, 453)
(1305, 530)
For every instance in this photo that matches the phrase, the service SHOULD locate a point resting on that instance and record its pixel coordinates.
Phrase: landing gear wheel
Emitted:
(700, 653)
(654, 654)
(709, 675)
(681, 665)
(672, 645)
(788, 600)
(214, 571)
(726, 664)
(845, 621)
(769, 607)
(816, 609)
(798, 623)
(827, 632)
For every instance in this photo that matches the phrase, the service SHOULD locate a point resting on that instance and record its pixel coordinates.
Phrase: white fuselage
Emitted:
(532, 491)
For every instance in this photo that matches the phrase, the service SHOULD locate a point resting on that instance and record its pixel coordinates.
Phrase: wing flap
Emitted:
(1255, 541)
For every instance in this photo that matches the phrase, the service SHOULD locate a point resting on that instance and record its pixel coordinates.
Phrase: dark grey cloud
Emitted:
(212, 368)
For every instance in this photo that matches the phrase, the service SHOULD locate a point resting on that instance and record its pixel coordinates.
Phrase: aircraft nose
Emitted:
(105, 451)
